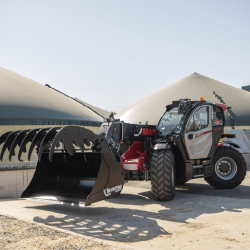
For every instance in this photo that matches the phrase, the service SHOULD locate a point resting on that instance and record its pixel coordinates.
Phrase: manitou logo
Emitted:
(148, 131)
(108, 191)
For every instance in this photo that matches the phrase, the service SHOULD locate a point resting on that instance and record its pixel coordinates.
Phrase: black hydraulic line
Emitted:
(219, 98)
(47, 85)
(75, 99)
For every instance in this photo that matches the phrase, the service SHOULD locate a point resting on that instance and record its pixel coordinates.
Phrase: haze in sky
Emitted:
(113, 53)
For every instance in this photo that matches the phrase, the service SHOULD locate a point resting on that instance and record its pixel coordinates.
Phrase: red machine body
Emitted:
(135, 158)
(224, 106)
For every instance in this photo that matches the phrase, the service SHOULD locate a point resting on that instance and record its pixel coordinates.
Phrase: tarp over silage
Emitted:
(193, 86)
(26, 102)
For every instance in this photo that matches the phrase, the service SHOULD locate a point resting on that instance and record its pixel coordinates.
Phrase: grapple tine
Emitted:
(81, 140)
(86, 141)
(28, 138)
(4, 137)
(68, 135)
(55, 142)
(38, 138)
(8, 142)
(17, 141)
(47, 138)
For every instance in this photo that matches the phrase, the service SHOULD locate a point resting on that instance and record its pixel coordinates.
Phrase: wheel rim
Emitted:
(226, 168)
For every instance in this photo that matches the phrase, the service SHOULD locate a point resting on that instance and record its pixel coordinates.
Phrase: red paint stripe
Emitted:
(216, 129)
(198, 135)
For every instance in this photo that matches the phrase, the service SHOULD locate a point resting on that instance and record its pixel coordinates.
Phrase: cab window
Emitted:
(217, 116)
(199, 120)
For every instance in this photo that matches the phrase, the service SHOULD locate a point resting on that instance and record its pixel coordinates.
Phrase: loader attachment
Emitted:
(69, 167)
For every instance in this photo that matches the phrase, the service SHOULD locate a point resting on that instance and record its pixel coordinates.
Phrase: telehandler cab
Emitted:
(74, 164)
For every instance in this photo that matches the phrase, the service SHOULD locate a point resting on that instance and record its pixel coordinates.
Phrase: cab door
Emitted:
(198, 133)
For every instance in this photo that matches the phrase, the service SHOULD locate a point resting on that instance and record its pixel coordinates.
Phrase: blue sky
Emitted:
(113, 53)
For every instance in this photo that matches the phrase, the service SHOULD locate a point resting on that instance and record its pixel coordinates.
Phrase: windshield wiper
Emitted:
(171, 130)
(178, 124)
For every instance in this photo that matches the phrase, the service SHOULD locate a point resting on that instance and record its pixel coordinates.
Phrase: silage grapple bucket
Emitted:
(69, 167)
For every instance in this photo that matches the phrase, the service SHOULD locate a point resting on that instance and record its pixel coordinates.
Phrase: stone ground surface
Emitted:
(200, 217)
(17, 234)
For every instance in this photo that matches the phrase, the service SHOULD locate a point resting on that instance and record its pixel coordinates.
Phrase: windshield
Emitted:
(170, 119)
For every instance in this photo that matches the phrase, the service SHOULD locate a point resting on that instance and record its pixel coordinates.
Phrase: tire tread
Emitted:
(161, 175)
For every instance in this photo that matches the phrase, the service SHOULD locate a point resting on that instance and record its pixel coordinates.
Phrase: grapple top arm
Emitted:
(49, 139)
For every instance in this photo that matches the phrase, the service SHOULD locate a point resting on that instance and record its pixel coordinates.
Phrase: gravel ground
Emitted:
(17, 234)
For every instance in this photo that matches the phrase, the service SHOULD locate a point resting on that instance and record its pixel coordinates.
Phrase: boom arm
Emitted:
(118, 131)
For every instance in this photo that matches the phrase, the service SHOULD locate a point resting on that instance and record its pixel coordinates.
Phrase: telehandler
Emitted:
(77, 165)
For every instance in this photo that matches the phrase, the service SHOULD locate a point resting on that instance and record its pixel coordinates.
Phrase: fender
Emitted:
(222, 143)
(160, 146)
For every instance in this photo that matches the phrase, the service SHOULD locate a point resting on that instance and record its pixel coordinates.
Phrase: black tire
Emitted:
(162, 175)
(233, 175)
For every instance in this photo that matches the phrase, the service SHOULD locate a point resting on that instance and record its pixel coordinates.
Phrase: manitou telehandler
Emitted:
(76, 165)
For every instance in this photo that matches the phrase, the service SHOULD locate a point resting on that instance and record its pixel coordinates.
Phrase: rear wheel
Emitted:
(162, 175)
(230, 168)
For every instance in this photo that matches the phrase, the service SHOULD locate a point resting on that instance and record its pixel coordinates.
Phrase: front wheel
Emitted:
(162, 175)
(230, 168)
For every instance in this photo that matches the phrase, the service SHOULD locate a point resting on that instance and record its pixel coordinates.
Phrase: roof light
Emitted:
(202, 99)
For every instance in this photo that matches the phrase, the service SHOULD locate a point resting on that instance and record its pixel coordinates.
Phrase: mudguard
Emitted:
(222, 143)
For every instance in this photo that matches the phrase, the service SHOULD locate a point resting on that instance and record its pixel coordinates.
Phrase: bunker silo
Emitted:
(26, 104)
(193, 86)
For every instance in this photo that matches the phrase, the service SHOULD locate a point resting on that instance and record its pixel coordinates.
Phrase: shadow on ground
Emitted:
(118, 224)
(240, 192)
(137, 217)
(202, 188)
